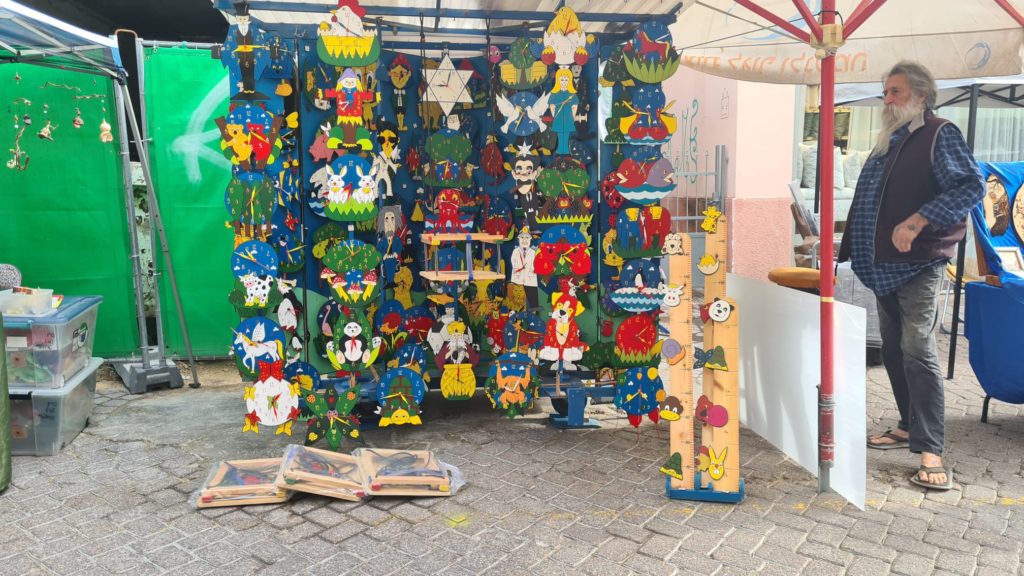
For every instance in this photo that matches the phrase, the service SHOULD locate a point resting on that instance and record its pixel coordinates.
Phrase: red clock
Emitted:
(636, 337)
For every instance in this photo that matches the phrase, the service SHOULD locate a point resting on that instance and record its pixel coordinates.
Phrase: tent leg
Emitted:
(154, 208)
(984, 409)
(129, 199)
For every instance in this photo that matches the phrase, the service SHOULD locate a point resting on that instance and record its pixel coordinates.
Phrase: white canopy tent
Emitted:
(832, 41)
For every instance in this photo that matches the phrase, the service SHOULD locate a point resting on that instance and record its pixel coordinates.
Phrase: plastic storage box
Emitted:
(46, 351)
(45, 420)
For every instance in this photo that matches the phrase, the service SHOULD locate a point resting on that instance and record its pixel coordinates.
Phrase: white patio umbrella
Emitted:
(790, 42)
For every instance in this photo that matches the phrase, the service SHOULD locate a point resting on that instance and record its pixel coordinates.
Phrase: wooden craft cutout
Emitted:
(1018, 214)
(346, 189)
(447, 85)
(641, 287)
(670, 409)
(448, 151)
(708, 264)
(246, 53)
(649, 121)
(615, 71)
(521, 70)
(563, 251)
(343, 41)
(321, 472)
(673, 351)
(257, 339)
(636, 339)
(353, 347)
(562, 344)
(512, 384)
(255, 267)
(350, 269)
(565, 186)
(717, 360)
(524, 333)
(400, 73)
(329, 417)
(391, 232)
(399, 395)
(449, 214)
(710, 413)
(700, 357)
(674, 465)
(650, 58)
(672, 296)
(564, 104)
(456, 360)
(249, 137)
(403, 472)
(640, 232)
(717, 310)
(305, 376)
(713, 464)
(251, 200)
(710, 222)
(526, 170)
(637, 393)
(996, 205)
(523, 113)
(271, 400)
(673, 244)
(565, 43)
(242, 483)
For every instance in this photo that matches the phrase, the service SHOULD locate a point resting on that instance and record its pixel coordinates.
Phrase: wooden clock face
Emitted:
(447, 85)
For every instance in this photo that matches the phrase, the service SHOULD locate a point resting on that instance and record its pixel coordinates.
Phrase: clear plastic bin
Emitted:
(46, 351)
(45, 420)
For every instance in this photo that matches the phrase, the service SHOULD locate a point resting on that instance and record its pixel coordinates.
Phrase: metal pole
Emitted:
(157, 310)
(826, 132)
(154, 208)
(129, 198)
(961, 249)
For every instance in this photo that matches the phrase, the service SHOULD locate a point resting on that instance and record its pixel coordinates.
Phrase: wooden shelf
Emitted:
(455, 276)
(436, 239)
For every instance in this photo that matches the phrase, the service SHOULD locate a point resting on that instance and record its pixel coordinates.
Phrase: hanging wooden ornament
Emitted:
(250, 137)
(449, 213)
(674, 466)
(641, 287)
(254, 265)
(418, 323)
(565, 186)
(636, 339)
(615, 71)
(353, 347)
(650, 58)
(640, 232)
(448, 151)
(564, 107)
(257, 339)
(565, 42)
(646, 177)
(711, 216)
(650, 121)
(342, 40)
(562, 344)
(400, 73)
(563, 250)
(245, 53)
(670, 409)
(638, 392)
(329, 417)
(710, 413)
(524, 333)
(385, 161)
(456, 360)
(106, 135)
(522, 70)
(388, 321)
(411, 356)
(399, 395)
(347, 189)
(447, 85)
(523, 113)
(350, 268)
(712, 463)
(251, 201)
(512, 384)
(271, 400)
(349, 131)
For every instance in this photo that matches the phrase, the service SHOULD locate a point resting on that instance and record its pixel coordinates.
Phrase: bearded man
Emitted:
(908, 214)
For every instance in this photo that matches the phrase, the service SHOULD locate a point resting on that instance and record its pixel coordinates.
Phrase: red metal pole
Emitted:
(776, 20)
(826, 393)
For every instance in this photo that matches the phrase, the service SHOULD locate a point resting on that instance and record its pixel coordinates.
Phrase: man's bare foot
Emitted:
(895, 438)
(932, 461)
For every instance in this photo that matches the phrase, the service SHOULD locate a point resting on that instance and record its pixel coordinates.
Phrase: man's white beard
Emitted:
(893, 118)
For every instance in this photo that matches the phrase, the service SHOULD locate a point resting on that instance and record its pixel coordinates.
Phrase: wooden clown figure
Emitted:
(400, 72)
(563, 104)
(562, 344)
(349, 131)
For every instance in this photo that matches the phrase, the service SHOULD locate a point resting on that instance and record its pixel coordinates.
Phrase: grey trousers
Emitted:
(907, 319)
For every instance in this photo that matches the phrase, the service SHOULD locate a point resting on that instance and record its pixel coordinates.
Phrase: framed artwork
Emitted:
(1011, 258)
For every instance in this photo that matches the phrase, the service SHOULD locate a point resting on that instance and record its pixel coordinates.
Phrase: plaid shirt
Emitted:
(958, 176)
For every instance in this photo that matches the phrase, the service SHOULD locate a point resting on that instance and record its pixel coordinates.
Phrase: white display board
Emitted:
(780, 371)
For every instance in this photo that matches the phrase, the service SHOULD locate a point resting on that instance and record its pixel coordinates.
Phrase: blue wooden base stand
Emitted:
(570, 407)
(708, 494)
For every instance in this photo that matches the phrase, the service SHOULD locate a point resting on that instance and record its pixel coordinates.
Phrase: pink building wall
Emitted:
(755, 122)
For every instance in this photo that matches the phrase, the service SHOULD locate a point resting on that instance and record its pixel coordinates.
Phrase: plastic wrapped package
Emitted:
(407, 473)
(322, 472)
(241, 483)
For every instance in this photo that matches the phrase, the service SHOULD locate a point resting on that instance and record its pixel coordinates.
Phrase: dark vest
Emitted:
(908, 183)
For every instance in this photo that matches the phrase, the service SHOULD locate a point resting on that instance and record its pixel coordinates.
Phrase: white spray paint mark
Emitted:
(194, 143)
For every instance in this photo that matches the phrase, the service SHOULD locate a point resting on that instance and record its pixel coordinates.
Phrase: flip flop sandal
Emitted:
(896, 443)
(915, 479)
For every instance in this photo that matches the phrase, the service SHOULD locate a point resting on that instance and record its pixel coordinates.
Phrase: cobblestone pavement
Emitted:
(538, 501)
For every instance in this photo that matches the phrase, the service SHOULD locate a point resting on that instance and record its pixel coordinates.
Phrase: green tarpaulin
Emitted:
(185, 90)
(62, 218)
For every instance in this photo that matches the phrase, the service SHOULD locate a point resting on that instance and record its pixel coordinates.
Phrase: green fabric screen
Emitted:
(63, 220)
(185, 89)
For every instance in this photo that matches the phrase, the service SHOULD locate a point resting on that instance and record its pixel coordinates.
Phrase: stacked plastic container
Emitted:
(52, 375)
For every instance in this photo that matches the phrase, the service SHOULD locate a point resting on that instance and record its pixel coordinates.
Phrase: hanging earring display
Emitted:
(77, 122)
(105, 134)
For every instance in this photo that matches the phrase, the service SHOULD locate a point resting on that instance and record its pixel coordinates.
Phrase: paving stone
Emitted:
(660, 547)
(864, 566)
(736, 558)
(826, 552)
(913, 565)
(780, 556)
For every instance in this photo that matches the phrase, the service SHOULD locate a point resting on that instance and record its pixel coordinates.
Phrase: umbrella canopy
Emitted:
(999, 92)
(29, 36)
(953, 38)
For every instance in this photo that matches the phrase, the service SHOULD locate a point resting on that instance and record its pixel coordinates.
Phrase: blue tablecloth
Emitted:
(993, 324)
(1011, 174)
